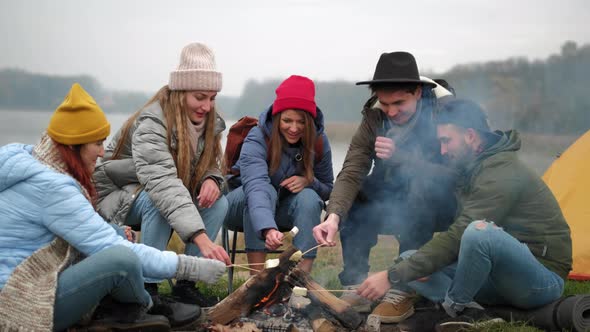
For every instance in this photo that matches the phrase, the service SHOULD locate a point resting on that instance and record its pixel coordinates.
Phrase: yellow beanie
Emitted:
(78, 120)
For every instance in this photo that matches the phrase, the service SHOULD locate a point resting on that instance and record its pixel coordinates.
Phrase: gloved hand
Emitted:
(199, 269)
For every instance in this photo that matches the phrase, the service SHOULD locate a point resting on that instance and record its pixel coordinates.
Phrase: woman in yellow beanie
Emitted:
(59, 258)
(162, 170)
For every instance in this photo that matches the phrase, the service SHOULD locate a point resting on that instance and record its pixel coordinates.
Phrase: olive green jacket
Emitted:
(498, 187)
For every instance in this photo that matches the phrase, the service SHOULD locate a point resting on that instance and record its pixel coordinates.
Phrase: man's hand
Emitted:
(295, 183)
(375, 286)
(384, 147)
(325, 232)
(210, 249)
(208, 194)
(273, 239)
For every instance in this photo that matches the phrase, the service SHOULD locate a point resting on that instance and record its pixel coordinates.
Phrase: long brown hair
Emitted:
(307, 141)
(70, 154)
(172, 103)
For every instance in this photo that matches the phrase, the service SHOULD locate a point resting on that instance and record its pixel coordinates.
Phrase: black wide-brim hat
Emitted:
(397, 67)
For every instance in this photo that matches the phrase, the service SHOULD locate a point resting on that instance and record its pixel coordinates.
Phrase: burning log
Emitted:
(275, 284)
(341, 310)
(260, 290)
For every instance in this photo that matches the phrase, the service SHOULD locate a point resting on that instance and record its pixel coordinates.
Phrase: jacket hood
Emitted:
(265, 121)
(505, 141)
(498, 141)
(17, 164)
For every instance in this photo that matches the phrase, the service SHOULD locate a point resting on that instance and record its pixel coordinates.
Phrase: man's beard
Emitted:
(464, 156)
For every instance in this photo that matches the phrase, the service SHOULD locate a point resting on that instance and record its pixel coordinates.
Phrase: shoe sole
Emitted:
(393, 319)
(192, 324)
(144, 327)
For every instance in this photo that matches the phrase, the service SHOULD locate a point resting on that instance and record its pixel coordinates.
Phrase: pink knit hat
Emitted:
(296, 92)
(196, 70)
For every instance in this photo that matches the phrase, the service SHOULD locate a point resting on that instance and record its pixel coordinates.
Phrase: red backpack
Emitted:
(235, 140)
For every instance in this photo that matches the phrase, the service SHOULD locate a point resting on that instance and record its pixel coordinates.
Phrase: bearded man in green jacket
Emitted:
(509, 243)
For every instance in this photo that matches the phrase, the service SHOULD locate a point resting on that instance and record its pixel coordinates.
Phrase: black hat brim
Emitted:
(393, 80)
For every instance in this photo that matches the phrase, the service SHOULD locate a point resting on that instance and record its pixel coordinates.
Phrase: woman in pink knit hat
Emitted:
(285, 168)
(161, 171)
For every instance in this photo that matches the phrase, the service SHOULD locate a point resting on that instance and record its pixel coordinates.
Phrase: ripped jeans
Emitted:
(493, 267)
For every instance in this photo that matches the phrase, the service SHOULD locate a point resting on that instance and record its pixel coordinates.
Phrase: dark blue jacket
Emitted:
(254, 170)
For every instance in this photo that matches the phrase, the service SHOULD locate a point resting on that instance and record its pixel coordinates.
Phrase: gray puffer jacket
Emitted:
(145, 163)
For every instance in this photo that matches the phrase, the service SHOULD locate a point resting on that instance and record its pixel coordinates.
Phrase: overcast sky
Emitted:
(133, 45)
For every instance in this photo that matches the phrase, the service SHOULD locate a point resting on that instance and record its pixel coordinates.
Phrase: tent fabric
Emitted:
(568, 177)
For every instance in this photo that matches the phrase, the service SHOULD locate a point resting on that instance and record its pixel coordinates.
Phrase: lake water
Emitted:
(26, 126)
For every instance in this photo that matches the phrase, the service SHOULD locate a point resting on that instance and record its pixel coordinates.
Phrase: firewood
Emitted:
(341, 310)
(268, 285)
(322, 325)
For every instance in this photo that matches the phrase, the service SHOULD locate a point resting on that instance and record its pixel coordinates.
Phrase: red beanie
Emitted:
(296, 92)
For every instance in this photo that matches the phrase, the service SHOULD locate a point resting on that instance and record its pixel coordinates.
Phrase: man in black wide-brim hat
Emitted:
(408, 192)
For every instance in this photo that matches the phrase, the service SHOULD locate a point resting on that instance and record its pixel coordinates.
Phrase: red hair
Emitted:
(70, 154)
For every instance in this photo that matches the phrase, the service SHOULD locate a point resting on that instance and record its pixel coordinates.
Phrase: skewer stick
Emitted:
(319, 245)
(247, 264)
(332, 290)
(245, 267)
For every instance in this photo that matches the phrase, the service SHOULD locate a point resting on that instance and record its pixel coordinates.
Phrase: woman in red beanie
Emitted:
(284, 182)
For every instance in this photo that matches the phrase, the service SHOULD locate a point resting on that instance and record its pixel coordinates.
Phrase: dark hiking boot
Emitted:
(469, 318)
(185, 292)
(111, 315)
(180, 315)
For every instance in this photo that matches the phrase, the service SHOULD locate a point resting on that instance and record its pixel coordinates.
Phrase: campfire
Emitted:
(267, 302)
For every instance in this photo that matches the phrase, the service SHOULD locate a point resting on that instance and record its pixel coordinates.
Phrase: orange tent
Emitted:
(569, 180)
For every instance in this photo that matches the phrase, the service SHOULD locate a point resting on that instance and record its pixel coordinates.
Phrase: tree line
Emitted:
(545, 96)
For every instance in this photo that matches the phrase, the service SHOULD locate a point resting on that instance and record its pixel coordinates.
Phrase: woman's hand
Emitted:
(210, 249)
(208, 194)
(295, 183)
(273, 239)
(130, 234)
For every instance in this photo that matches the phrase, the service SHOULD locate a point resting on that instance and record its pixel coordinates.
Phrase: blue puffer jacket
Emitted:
(253, 167)
(37, 204)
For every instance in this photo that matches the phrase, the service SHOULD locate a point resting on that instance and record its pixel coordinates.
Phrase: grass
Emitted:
(329, 263)
(538, 151)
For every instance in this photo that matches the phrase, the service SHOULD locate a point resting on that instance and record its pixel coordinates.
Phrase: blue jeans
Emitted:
(156, 232)
(116, 271)
(413, 216)
(493, 268)
(303, 210)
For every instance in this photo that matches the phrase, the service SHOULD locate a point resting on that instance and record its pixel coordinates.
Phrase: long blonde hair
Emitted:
(307, 141)
(172, 103)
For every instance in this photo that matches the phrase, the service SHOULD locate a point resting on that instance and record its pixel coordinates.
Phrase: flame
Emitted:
(269, 296)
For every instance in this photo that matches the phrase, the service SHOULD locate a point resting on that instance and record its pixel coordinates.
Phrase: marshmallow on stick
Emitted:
(301, 291)
(272, 262)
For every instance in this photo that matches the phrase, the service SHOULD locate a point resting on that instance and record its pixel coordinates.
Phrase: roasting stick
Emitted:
(247, 264)
(319, 245)
(244, 267)
(302, 291)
